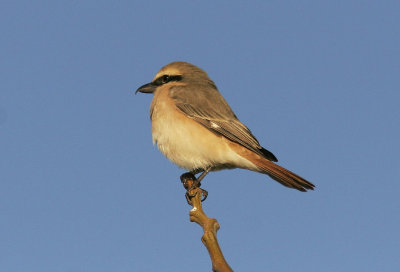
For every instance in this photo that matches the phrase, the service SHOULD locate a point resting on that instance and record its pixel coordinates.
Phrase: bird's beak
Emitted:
(147, 88)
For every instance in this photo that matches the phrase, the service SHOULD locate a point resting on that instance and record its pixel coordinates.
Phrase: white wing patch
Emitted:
(214, 125)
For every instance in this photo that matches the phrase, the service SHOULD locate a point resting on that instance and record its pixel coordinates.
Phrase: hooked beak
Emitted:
(147, 88)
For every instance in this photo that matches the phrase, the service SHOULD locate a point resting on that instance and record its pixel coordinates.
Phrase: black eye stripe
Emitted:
(165, 79)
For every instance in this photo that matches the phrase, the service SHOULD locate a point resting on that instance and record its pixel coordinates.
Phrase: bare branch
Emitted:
(210, 227)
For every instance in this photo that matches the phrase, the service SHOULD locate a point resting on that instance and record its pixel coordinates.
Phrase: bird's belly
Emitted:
(184, 143)
(189, 144)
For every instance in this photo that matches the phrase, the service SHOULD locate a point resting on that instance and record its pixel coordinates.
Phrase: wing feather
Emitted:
(207, 107)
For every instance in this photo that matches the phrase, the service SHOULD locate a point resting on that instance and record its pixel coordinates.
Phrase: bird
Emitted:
(195, 128)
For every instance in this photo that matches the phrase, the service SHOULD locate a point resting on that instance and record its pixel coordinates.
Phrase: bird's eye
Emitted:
(165, 78)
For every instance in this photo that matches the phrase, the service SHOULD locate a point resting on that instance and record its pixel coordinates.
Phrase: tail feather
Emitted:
(276, 172)
(284, 176)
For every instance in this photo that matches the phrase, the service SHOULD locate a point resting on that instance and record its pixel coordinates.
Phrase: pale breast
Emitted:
(187, 143)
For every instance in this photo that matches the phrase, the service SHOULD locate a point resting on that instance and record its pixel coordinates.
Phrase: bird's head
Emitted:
(178, 72)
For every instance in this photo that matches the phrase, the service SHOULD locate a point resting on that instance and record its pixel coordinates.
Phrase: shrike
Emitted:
(194, 127)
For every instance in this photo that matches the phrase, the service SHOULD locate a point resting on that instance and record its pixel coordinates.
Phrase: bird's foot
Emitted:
(190, 182)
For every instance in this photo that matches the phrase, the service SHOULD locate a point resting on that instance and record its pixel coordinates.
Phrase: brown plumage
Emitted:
(195, 128)
(278, 173)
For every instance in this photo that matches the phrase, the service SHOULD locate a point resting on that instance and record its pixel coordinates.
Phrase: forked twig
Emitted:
(210, 226)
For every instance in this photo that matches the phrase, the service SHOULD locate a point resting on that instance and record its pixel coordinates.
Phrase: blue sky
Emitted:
(82, 188)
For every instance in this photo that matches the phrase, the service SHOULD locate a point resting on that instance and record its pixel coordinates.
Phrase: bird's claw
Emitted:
(189, 196)
(204, 194)
(185, 178)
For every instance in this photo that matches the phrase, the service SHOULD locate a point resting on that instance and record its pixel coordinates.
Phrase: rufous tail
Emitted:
(283, 176)
(278, 173)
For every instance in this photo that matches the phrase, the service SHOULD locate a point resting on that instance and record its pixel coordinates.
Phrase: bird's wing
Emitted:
(206, 106)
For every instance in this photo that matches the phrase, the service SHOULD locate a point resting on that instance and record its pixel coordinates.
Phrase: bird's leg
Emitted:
(202, 175)
(190, 182)
(197, 183)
